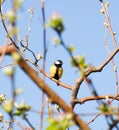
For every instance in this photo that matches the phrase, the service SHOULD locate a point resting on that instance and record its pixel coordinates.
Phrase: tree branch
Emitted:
(54, 98)
(109, 25)
(89, 71)
(91, 98)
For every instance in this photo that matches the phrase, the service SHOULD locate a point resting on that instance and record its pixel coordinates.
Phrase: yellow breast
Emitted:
(56, 72)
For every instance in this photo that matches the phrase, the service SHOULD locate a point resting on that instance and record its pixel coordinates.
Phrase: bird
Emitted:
(56, 70)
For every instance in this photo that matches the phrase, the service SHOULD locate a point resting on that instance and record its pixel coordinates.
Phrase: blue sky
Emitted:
(85, 31)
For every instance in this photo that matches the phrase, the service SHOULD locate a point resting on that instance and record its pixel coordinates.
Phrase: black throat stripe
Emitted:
(56, 75)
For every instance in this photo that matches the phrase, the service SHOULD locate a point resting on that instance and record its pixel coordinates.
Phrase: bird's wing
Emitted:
(52, 71)
(60, 72)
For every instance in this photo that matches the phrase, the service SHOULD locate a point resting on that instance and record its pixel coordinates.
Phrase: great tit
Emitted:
(56, 70)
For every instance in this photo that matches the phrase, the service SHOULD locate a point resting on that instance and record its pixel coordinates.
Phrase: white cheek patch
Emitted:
(57, 62)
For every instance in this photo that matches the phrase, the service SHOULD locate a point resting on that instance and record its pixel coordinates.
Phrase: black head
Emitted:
(58, 63)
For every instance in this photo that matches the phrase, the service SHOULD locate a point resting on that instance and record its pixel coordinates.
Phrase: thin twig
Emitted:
(3, 53)
(93, 90)
(29, 28)
(8, 35)
(113, 125)
(13, 97)
(8, 123)
(113, 63)
(26, 48)
(80, 114)
(93, 119)
(109, 25)
(89, 71)
(54, 98)
(69, 52)
(13, 42)
(12, 64)
(28, 59)
(44, 61)
(53, 79)
(13, 39)
(12, 49)
(19, 124)
(90, 98)
(29, 123)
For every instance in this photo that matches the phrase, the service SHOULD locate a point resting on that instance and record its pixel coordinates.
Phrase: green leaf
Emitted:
(80, 60)
(2, 98)
(1, 117)
(18, 91)
(18, 113)
(56, 41)
(71, 48)
(56, 23)
(16, 56)
(8, 106)
(13, 31)
(106, 109)
(21, 109)
(61, 123)
(11, 17)
(9, 71)
(18, 4)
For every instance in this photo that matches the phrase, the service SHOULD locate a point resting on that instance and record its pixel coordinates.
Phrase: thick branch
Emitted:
(54, 98)
(90, 98)
(90, 70)
(51, 94)
(7, 50)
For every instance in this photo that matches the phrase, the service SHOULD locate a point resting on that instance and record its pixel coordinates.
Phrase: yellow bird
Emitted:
(56, 70)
